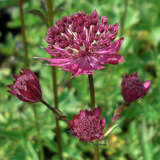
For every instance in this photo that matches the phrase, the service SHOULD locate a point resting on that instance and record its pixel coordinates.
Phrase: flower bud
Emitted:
(26, 87)
(87, 125)
(133, 88)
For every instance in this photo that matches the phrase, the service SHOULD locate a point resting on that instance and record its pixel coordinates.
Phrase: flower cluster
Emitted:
(87, 125)
(81, 44)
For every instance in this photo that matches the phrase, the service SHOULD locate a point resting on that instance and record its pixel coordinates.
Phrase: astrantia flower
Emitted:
(87, 125)
(26, 87)
(133, 88)
(81, 44)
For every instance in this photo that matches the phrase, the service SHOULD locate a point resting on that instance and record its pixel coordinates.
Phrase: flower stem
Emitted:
(41, 151)
(23, 33)
(92, 93)
(115, 117)
(54, 82)
(124, 16)
(96, 152)
(55, 111)
(92, 103)
(20, 4)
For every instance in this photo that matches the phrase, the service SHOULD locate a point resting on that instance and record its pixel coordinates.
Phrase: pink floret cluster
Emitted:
(87, 125)
(81, 44)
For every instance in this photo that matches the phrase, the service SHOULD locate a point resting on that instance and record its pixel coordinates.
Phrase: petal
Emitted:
(103, 122)
(118, 44)
(15, 77)
(100, 136)
(114, 59)
(12, 92)
(82, 114)
(97, 112)
(146, 84)
(121, 59)
(71, 123)
(55, 60)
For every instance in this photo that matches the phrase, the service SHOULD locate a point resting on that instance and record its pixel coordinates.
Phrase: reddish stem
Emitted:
(54, 82)
(115, 117)
(92, 103)
(55, 111)
(92, 92)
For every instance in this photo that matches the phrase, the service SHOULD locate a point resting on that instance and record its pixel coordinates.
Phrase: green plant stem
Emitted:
(54, 82)
(92, 103)
(58, 114)
(41, 151)
(124, 16)
(20, 3)
(23, 33)
(58, 134)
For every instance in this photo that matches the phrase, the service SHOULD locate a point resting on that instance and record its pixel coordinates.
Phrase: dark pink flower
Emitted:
(87, 125)
(81, 44)
(26, 87)
(133, 88)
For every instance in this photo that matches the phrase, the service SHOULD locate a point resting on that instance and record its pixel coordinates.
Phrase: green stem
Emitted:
(20, 3)
(55, 111)
(54, 82)
(96, 152)
(41, 151)
(124, 16)
(92, 103)
(23, 33)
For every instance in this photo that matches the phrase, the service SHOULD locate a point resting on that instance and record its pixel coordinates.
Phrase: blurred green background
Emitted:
(137, 138)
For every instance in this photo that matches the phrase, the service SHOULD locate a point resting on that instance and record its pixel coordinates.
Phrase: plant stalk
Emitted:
(115, 117)
(55, 111)
(54, 82)
(41, 151)
(124, 16)
(20, 4)
(92, 92)
(23, 33)
(92, 103)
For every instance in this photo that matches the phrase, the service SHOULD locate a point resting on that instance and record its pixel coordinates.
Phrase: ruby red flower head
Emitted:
(87, 125)
(81, 44)
(133, 88)
(26, 87)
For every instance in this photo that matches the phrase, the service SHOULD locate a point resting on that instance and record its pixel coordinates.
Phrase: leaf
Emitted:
(59, 7)
(110, 130)
(144, 142)
(9, 3)
(31, 151)
(39, 14)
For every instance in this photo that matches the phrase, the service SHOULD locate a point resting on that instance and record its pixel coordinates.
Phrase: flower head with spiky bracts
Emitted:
(81, 44)
(133, 88)
(26, 87)
(87, 125)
